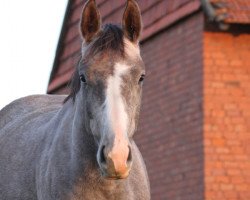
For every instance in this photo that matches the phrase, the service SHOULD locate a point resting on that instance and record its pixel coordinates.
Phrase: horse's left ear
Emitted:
(132, 23)
(91, 21)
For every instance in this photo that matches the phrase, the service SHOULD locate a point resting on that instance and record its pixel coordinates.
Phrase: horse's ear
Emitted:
(132, 23)
(91, 21)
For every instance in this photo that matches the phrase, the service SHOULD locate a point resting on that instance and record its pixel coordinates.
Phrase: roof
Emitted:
(156, 15)
(238, 11)
(228, 11)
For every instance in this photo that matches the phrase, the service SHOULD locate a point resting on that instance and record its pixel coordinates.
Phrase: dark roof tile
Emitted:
(236, 11)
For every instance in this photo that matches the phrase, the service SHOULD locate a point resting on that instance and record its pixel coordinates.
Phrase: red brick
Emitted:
(224, 101)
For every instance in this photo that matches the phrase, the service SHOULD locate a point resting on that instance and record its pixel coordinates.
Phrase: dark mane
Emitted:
(110, 39)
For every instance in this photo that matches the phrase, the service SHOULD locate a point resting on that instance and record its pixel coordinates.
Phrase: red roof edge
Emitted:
(60, 81)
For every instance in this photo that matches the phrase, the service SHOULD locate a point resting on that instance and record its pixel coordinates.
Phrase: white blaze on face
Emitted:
(116, 113)
(115, 105)
(117, 118)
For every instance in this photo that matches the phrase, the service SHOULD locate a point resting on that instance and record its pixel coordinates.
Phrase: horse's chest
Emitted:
(100, 191)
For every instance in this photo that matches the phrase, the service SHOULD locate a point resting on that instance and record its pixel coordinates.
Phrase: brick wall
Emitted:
(227, 115)
(170, 135)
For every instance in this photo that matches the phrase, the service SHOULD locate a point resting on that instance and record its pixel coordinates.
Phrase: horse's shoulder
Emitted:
(30, 104)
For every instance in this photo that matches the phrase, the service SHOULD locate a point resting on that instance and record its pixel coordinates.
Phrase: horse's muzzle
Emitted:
(115, 163)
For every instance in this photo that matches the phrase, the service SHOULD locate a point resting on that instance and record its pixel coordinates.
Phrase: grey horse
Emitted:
(81, 146)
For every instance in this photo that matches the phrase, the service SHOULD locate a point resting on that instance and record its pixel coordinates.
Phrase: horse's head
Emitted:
(111, 73)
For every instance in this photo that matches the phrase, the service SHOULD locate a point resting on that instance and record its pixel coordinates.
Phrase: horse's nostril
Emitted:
(102, 155)
(129, 155)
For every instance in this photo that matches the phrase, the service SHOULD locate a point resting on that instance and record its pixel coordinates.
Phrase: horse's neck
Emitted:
(71, 135)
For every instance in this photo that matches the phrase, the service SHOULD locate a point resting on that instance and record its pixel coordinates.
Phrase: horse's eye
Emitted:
(141, 78)
(82, 78)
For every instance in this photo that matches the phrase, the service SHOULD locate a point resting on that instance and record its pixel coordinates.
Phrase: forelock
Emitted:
(109, 39)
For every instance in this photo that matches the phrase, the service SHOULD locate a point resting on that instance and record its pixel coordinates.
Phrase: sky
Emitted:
(29, 33)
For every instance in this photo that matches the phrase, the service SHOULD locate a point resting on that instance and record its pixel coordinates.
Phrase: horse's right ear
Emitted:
(131, 22)
(91, 21)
